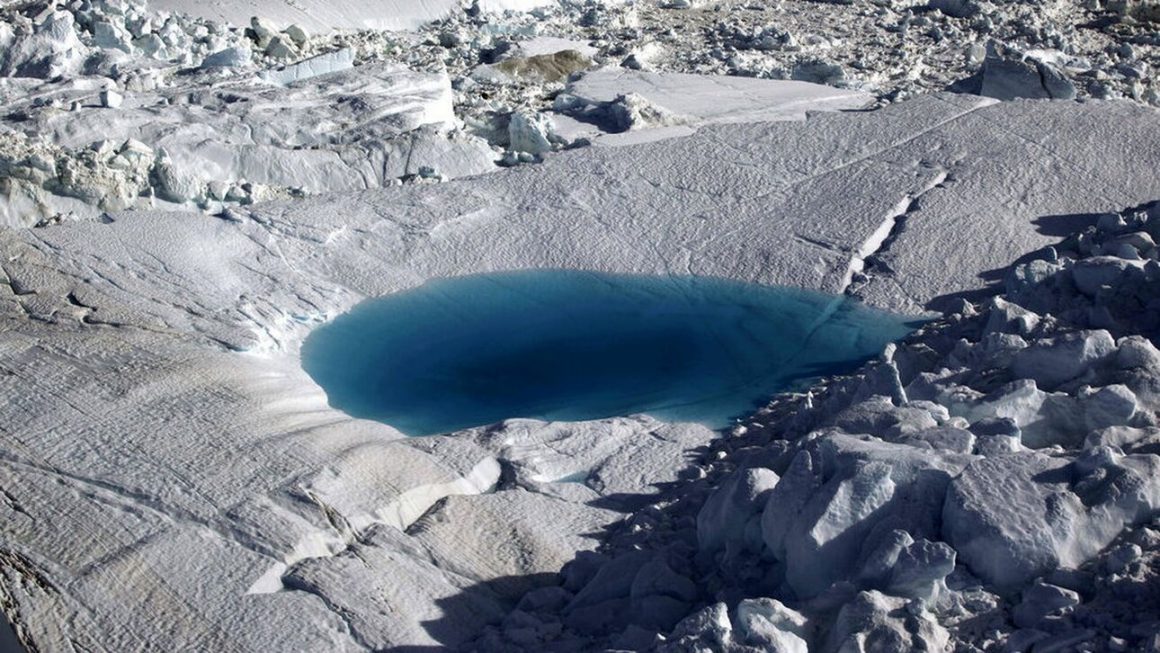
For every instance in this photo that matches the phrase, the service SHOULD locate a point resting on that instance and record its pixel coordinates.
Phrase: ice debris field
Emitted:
(574, 346)
(645, 275)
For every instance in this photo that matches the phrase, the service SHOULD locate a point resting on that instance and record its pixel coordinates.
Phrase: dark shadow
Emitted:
(972, 85)
(950, 301)
(1064, 475)
(468, 606)
(1056, 226)
(9, 642)
(998, 274)
(1061, 226)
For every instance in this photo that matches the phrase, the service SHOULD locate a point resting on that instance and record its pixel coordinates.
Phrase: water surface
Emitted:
(567, 345)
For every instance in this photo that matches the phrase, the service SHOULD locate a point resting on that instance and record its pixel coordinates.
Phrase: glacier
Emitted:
(159, 399)
(188, 206)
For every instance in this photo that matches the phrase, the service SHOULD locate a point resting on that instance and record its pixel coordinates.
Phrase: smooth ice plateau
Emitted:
(190, 204)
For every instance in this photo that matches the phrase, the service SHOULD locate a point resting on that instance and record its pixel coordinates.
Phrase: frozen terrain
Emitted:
(115, 104)
(992, 483)
(160, 405)
(184, 200)
(317, 15)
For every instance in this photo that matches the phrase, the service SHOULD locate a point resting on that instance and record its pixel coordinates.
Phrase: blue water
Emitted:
(567, 345)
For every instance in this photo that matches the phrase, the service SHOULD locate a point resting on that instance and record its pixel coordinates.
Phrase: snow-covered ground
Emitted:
(184, 200)
(116, 104)
(324, 15)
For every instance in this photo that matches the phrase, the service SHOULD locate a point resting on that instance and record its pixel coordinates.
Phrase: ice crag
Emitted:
(162, 444)
(189, 113)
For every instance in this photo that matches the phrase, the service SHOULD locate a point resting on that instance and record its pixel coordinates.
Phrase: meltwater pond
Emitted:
(568, 345)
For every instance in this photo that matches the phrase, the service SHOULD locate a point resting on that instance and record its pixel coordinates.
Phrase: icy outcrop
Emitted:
(163, 441)
(936, 487)
(323, 64)
(1007, 75)
(672, 104)
(185, 89)
(333, 129)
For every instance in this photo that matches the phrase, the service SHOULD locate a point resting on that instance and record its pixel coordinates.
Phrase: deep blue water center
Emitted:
(568, 345)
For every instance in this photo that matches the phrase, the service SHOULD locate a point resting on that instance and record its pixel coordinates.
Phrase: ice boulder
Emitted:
(53, 49)
(1009, 317)
(1126, 438)
(770, 626)
(1008, 75)
(1111, 405)
(842, 497)
(1092, 274)
(234, 57)
(1014, 517)
(530, 133)
(323, 64)
(909, 568)
(1042, 600)
(874, 622)
(1137, 352)
(730, 518)
(1052, 361)
(708, 629)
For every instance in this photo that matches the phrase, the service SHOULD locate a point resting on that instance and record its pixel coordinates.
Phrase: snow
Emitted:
(323, 64)
(681, 102)
(146, 404)
(206, 195)
(322, 15)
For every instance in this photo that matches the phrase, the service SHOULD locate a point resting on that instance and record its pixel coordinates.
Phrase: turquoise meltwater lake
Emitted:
(570, 345)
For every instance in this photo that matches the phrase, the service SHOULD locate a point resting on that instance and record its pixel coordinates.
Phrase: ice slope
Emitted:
(330, 14)
(144, 461)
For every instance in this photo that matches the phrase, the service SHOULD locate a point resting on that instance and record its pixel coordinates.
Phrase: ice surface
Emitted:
(559, 345)
(328, 14)
(717, 99)
(878, 538)
(323, 64)
(685, 101)
(145, 456)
